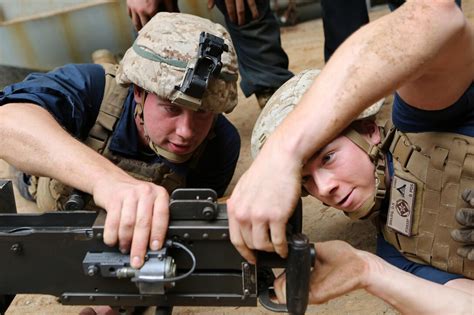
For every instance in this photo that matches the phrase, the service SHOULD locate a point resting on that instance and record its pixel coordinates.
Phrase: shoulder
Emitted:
(458, 117)
(89, 73)
(70, 78)
(224, 144)
(448, 69)
(225, 130)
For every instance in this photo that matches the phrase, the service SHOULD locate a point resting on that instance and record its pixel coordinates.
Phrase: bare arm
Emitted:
(397, 48)
(385, 55)
(412, 295)
(340, 269)
(33, 141)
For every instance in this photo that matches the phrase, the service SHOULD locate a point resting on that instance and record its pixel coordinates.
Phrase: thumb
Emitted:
(279, 286)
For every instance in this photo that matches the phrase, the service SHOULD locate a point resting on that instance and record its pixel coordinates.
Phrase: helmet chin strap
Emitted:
(375, 153)
(170, 156)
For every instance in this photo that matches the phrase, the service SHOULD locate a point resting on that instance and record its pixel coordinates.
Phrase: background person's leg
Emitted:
(341, 18)
(263, 64)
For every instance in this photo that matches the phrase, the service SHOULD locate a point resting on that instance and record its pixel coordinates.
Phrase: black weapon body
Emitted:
(63, 254)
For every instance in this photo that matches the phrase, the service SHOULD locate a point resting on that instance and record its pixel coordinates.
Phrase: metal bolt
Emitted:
(246, 266)
(125, 273)
(98, 236)
(224, 236)
(186, 235)
(92, 270)
(208, 212)
(205, 235)
(91, 298)
(246, 292)
(16, 248)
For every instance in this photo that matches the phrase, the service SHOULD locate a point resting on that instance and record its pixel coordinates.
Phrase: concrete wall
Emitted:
(44, 34)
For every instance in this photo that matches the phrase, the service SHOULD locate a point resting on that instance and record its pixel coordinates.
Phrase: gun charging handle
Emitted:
(301, 257)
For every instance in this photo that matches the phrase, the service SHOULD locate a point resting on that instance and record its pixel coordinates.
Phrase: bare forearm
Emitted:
(412, 295)
(33, 141)
(373, 62)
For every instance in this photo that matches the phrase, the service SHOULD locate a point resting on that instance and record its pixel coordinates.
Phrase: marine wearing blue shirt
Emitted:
(73, 94)
(156, 120)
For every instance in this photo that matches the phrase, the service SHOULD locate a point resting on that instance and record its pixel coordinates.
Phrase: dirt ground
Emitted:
(304, 45)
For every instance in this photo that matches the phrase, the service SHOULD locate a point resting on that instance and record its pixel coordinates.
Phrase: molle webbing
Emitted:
(157, 173)
(442, 166)
(110, 110)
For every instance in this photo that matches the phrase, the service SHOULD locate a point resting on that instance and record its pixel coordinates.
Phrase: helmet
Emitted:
(186, 59)
(283, 101)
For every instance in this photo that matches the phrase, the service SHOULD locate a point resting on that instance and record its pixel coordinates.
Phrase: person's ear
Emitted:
(371, 131)
(137, 93)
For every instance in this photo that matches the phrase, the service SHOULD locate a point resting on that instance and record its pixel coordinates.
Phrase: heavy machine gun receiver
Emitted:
(63, 254)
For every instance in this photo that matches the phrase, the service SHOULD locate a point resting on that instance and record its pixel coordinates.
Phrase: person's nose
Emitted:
(185, 125)
(326, 185)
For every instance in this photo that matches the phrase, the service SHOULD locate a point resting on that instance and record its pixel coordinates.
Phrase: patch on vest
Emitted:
(402, 200)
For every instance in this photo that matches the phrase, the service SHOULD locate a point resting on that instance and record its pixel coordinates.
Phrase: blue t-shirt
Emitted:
(73, 94)
(458, 118)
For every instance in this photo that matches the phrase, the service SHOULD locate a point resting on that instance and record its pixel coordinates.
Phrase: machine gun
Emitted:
(63, 254)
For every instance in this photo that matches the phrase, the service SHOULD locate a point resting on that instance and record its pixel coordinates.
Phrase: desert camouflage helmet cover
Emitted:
(172, 39)
(283, 102)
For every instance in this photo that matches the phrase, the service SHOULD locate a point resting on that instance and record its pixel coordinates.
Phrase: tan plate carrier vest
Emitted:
(442, 166)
